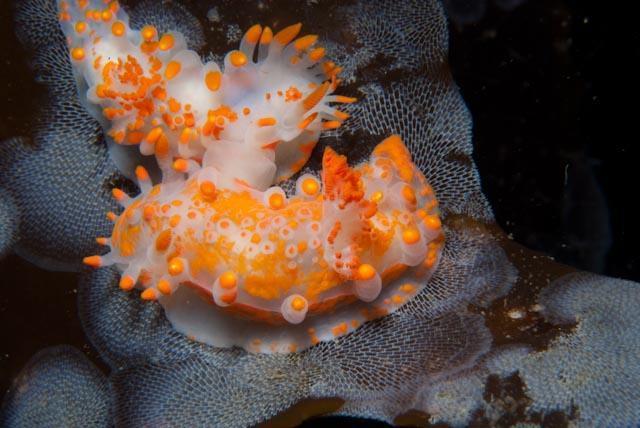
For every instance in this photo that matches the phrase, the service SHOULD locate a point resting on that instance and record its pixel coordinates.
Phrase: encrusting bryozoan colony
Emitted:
(232, 258)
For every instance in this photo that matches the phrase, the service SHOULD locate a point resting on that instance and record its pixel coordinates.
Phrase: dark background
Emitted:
(547, 82)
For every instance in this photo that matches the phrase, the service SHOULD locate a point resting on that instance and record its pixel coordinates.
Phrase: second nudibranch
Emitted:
(364, 234)
(262, 112)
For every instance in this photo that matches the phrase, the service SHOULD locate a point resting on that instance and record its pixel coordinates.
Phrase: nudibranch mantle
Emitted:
(233, 259)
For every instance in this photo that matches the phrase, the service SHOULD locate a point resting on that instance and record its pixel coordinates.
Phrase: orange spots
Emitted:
(287, 34)
(135, 137)
(411, 235)
(212, 80)
(276, 201)
(310, 186)
(208, 189)
(407, 288)
(181, 165)
(77, 54)
(228, 280)
(154, 135)
(237, 58)
(340, 329)
(366, 271)
(316, 96)
(93, 261)
(102, 240)
(163, 240)
(172, 70)
(175, 267)
(246, 111)
(106, 15)
(174, 220)
(266, 121)
(253, 34)
(370, 209)
(166, 42)
(80, 27)
(118, 194)
(397, 299)
(118, 29)
(298, 303)
(432, 222)
(164, 287)
(112, 216)
(305, 42)
(148, 33)
(148, 212)
(148, 294)
(174, 106)
(127, 283)
(266, 37)
(316, 54)
(292, 94)
(408, 194)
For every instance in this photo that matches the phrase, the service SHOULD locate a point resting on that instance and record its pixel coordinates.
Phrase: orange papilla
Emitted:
(339, 179)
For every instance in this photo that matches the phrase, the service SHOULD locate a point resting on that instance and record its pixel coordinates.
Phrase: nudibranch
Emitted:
(269, 103)
(233, 259)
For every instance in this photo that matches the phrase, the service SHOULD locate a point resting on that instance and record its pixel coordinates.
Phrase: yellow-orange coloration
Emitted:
(148, 32)
(287, 34)
(366, 271)
(212, 80)
(411, 235)
(228, 280)
(310, 186)
(253, 34)
(208, 189)
(276, 201)
(80, 27)
(127, 283)
(172, 70)
(77, 54)
(266, 121)
(164, 287)
(93, 261)
(238, 58)
(298, 303)
(149, 294)
(176, 266)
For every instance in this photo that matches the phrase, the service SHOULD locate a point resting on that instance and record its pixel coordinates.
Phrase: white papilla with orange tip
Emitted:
(271, 267)
(259, 119)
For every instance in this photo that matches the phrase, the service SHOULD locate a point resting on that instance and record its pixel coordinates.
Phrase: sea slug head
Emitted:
(266, 105)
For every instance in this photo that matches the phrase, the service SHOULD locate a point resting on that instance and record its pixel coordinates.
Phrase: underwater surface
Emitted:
(500, 334)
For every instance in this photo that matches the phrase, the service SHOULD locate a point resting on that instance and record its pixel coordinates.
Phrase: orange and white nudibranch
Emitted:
(149, 89)
(348, 247)
(233, 259)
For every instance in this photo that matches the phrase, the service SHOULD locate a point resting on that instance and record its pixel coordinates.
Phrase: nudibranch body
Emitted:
(149, 90)
(232, 258)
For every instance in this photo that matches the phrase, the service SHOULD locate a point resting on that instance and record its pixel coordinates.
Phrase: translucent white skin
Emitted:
(247, 92)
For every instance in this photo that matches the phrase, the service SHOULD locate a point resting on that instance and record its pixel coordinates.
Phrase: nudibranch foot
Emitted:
(285, 270)
(150, 90)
